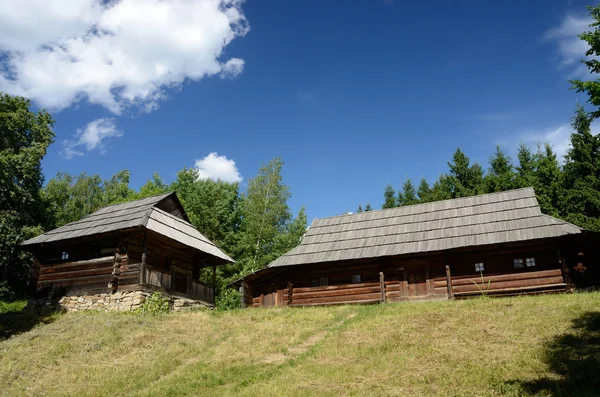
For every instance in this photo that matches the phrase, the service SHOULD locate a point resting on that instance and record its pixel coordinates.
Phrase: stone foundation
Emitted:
(125, 301)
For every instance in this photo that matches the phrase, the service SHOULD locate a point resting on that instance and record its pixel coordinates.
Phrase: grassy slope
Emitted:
(544, 345)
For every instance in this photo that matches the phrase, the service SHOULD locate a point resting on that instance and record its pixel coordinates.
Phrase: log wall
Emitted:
(414, 277)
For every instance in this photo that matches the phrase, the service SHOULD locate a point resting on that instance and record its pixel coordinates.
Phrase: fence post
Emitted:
(382, 287)
(449, 283)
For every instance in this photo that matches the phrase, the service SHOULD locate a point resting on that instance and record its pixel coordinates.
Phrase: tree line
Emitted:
(254, 227)
(569, 190)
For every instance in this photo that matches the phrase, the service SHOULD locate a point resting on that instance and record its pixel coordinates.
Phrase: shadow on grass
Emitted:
(23, 320)
(575, 360)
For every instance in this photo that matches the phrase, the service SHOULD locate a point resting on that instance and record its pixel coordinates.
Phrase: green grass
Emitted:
(534, 345)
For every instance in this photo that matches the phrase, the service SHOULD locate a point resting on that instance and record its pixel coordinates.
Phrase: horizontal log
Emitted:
(508, 284)
(338, 292)
(393, 287)
(519, 290)
(332, 299)
(358, 302)
(507, 277)
(76, 274)
(73, 281)
(391, 282)
(79, 265)
(333, 287)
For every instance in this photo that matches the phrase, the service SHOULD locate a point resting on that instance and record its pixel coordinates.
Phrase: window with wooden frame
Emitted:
(323, 281)
(64, 256)
(356, 278)
(479, 267)
(529, 262)
(314, 282)
(518, 263)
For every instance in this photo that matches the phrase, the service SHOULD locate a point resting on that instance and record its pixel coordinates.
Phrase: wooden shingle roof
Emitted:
(144, 213)
(504, 217)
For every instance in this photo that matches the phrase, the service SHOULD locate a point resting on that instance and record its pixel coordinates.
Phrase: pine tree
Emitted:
(389, 196)
(408, 195)
(359, 209)
(464, 179)
(501, 174)
(549, 181)
(525, 171)
(424, 191)
(582, 173)
(368, 207)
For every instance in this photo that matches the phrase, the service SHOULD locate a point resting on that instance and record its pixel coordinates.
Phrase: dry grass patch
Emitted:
(542, 345)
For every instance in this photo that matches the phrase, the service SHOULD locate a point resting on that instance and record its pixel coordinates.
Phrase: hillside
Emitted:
(534, 345)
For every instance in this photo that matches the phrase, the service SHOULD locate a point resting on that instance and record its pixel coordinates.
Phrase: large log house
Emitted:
(145, 245)
(495, 244)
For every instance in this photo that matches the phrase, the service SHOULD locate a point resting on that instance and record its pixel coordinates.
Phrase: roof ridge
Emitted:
(430, 202)
(132, 201)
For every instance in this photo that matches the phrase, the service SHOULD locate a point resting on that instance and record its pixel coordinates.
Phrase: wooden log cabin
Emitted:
(495, 244)
(145, 245)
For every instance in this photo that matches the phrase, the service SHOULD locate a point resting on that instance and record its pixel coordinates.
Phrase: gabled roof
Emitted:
(150, 213)
(504, 217)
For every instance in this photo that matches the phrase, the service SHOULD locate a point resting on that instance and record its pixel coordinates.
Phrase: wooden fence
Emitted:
(196, 289)
(502, 284)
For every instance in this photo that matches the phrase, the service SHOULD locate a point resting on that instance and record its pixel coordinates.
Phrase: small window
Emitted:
(479, 267)
(314, 282)
(64, 256)
(529, 262)
(323, 281)
(356, 278)
(518, 263)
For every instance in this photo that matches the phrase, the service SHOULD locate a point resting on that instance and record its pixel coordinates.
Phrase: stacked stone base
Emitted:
(125, 301)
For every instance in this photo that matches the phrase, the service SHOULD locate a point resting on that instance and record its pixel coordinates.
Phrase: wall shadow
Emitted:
(575, 360)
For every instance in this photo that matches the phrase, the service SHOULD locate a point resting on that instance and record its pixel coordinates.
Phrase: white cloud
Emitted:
(91, 137)
(217, 167)
(559, 137)
(115, 54)
(571, 48)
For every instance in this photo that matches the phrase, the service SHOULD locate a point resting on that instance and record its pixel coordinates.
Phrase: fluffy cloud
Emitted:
(571, 49)
(117, 53)
(217, 167)
(91, 137)
(559, 137)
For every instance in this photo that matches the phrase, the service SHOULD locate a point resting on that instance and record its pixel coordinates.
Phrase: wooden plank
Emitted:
(516, 290)
(357, 302)
(337, 292)
(506, 277)
(382, 286)
(334, 287)
(508, 284)
(347, 298)
(75, 274)
(449, 283)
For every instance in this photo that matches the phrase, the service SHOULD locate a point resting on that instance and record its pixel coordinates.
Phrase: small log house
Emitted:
(493, 244)
(145, 245)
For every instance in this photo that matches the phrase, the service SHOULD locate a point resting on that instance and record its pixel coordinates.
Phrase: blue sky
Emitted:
(351, 95)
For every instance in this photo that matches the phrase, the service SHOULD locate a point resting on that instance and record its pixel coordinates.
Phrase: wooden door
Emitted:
(416, 278)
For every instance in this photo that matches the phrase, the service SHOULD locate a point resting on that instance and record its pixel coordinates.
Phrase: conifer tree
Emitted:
(501, 174)
(424, 191)
(389, 197)
(408, 195)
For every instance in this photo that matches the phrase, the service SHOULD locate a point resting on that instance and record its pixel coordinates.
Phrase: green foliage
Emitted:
(407, 195)
(154, 304)
(389, 197)
(582, 174)
(24, 139)
(525, 171)
(464, 179)
(592, 39)
(501, 175)
(359, 209)
(424, 191)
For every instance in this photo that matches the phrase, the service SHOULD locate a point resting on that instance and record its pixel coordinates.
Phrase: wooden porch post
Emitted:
(214, 280)
(449, 283)
(382, 287)
(34, 275)
(565, 271)
(290, 291)
(143, 266)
